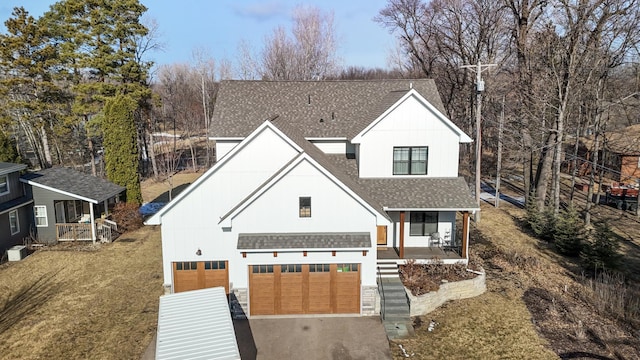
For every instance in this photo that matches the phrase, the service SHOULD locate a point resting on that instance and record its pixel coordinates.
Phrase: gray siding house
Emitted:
(70, 206)
(15, 207)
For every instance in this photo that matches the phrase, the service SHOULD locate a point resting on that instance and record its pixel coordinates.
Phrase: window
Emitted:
(305, 207)
(291, 268)
(347, 267)
(4, 184)
(192, 265)
(262, 269)
(40, 211)
(319, 268)
(14, 222)
(215, 265)
(423, 223)
(410, 160)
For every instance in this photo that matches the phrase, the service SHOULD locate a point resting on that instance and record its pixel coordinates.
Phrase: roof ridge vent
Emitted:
(410, 85)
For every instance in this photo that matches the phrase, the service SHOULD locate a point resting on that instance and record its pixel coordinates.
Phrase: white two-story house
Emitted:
(315, 182)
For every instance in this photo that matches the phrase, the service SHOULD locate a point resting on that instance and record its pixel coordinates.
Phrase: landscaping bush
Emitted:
(127, 216)
(600, 252)
(568, 232)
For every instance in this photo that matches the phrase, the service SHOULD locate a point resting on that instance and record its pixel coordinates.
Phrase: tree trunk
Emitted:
(543, 172)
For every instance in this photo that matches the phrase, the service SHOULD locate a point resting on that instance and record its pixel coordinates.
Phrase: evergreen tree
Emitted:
(601, 251)
(541, 222)
(568, 232)
(8, 150)
(121, 150)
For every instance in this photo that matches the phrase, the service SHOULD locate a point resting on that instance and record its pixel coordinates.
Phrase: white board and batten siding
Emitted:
(409, 124)
(225, 145)
(332, 210)
(196, 325)
(192, 223)
(446, 223)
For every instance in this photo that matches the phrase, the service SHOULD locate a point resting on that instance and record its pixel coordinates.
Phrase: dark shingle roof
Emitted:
(6, 168)
(319, 108)
(74, 182)
(411, 193)
(304, 241)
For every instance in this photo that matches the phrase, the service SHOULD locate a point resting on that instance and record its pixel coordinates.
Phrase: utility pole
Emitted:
(479, 68)
(499, 161)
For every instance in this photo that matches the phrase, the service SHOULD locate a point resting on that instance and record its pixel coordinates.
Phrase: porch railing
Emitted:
(106, 231)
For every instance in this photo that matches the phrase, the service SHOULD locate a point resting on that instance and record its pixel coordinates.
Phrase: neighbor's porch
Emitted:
(78, 220)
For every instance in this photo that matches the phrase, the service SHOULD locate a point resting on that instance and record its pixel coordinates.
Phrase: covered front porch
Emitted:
(425, 236)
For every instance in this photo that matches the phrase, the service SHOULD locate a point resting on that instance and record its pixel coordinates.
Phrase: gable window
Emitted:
(423, 223)
(40, 212)
(305, 207)
(410, 160)
(14, 222)
(4, 184)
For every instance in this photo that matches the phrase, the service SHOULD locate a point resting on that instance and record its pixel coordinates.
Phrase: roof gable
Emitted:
(318, 108)
(7, 168)
(156, 219)
(394, 100)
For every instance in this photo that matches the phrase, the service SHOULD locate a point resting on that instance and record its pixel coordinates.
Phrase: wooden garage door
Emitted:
(304, 289)
(194, 275)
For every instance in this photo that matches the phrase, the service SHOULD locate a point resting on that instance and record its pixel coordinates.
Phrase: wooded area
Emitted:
(565, 68)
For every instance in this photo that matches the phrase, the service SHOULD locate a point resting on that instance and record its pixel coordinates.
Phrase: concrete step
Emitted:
(398, 329)
(396, 310)
(395, 300)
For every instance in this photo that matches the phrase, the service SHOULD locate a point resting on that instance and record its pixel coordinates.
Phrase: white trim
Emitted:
(156, 219)
(464, 138)
(298, 250)
(46, 218)
(16, 207)
(226, 220)
(17, 222)
(6, 182)
(32, 183)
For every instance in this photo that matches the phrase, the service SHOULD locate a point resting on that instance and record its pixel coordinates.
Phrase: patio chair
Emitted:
(435, 239)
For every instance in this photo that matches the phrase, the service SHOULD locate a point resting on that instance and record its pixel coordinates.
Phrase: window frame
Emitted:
(17, 222)
(304, 211)
(409, 161)
(424, 229)
(35, 215)
(5, 184)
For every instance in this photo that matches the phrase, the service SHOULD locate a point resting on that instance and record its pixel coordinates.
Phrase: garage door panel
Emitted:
(347, 288)
(262, 294)
(185, 276)
(194, 275)
(291, 294)
(216, 274)
(319, 293)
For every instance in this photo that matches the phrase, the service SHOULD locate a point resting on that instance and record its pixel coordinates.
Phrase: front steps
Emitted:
(394, 303)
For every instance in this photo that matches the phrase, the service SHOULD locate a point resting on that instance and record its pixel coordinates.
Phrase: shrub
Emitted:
(601, 251)
(567, 232)
(127, 216)
(542, 221)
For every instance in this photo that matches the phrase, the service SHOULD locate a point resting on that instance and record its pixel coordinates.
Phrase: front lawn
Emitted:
(82, 302)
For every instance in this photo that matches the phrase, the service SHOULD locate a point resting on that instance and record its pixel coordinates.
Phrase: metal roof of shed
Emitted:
(196, 325)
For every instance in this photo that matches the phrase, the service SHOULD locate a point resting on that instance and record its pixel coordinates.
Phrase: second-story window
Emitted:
(410, 160)
(4, 184)
(305, 206)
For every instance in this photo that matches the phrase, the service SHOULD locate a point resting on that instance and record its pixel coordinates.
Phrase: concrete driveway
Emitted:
(337, 338)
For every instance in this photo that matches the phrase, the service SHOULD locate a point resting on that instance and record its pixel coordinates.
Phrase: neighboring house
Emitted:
(68, 205)
(15, 207)
(316, 182)
(620, 151)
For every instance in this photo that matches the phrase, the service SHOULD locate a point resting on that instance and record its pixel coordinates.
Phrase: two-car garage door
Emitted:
(304, 289)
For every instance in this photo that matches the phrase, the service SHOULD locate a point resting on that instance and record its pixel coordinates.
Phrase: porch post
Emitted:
(106, 208)
(401, 235)
(93, 223)
(465, 234)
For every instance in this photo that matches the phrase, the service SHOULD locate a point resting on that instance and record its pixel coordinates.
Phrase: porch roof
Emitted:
(73, 183)
(272, 241)
(412, 193)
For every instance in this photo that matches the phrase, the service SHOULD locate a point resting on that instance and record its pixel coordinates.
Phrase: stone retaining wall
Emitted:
(369, 295)
(426, 303)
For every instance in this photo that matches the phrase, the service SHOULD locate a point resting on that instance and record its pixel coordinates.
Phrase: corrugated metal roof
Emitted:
(196, 325)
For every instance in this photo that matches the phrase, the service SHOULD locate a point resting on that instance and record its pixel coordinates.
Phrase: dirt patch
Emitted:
(158, 190)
